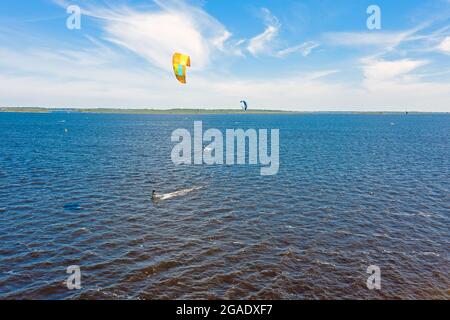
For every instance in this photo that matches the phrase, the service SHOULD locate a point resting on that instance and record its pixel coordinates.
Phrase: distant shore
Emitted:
(192, 111)
(143, 111)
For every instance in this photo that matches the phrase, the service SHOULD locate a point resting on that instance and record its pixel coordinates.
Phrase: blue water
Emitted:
(352, 191)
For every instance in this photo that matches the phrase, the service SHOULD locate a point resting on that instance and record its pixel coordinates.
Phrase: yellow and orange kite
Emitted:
(180, 62)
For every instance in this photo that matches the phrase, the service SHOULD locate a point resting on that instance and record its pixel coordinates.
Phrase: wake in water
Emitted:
(180, 193)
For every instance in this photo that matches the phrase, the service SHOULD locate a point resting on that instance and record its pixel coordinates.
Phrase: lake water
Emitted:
(352, 191)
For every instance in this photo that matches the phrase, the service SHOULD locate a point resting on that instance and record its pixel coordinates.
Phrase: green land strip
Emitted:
(179, 111)
(25, 109)
(145, 111)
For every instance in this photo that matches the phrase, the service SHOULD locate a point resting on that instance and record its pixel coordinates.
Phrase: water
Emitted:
(352, 191)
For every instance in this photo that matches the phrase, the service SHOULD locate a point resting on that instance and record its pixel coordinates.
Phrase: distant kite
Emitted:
(244, 105)
(180, 62)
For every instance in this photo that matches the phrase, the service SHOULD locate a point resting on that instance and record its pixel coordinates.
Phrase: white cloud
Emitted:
(305, 49)
(394, 85)
(221, 39)
(177, 27)
(266, 42)
(383, 39)
(262, 42)
(156, 34)
(381, 70)
(444, 46)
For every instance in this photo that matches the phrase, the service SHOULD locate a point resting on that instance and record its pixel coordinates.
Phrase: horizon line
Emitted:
(200, 111)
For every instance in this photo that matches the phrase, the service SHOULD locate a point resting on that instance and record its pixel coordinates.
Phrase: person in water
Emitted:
(153, 195)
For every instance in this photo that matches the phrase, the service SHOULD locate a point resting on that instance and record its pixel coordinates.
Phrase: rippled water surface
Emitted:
(352, 191)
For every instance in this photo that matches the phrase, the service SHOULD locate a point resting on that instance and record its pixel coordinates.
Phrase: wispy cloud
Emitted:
(305, 49)
(384, 41)
(157, 33)
(353, 39)
(266, 43)
(417, 39)
(382, 70)
(444, 46)
(262, 42)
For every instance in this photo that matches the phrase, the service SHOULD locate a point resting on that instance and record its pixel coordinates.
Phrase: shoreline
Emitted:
(200, 111)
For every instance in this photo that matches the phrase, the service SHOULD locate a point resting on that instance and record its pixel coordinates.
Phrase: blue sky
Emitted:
(310, 55)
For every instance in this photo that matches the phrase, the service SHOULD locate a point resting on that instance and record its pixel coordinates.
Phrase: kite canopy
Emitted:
(180, 62)
(244, 105)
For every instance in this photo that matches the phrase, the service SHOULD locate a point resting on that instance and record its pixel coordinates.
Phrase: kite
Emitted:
(180, 62)
(244, 105)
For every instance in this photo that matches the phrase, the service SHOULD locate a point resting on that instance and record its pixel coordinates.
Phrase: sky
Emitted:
(304, 55)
